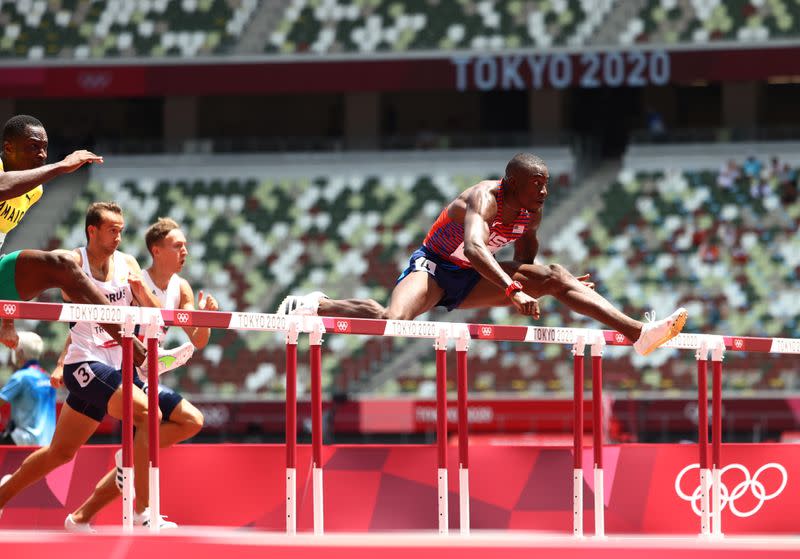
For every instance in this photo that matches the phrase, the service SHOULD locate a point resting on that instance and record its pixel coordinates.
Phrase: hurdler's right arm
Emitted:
(57, 376)
(17, 183)
(481, 209)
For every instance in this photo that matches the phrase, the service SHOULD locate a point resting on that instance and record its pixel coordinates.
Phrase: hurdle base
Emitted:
(599, 504)
(463, 500)
(155, 499)
(319, 518)
(577, 502)
(705, 503)
(443, 511)
(127, 499)
(291, 501)
(716, 509)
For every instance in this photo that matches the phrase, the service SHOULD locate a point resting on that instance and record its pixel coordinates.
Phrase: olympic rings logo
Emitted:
(750, 484)
(342, 326)
(9, 309)
(182, 317)
(487, 331)
(738, 343)
(619, 338)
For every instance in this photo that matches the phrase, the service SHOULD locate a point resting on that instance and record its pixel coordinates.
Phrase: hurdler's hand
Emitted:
(206, 302)
(57, 376)
(8, 334)
(138, 287)
(526, 304)
(78, 159)
(584, 279)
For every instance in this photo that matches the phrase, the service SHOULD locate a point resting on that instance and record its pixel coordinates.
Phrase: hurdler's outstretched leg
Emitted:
(539, 280)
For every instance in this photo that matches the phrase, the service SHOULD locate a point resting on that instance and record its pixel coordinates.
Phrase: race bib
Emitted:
(84, 375)
(422, 264)
(495, 243)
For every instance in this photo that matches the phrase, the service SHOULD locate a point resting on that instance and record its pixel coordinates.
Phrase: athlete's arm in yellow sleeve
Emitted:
(17, 183)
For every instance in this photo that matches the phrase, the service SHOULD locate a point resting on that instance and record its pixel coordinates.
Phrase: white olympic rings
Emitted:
(9, 309)
(182, 317)
(729, 497)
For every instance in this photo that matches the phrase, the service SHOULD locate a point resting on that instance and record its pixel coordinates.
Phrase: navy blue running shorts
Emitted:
(91, 385)
(168, 399)
(456, 282)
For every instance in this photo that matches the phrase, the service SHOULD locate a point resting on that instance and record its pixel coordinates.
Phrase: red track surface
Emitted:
(213, 543)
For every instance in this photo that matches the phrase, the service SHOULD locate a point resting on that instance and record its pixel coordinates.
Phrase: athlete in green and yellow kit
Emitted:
(27, 273)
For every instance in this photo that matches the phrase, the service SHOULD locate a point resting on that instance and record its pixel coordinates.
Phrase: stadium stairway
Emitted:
(617, 22)
(263, 22)
(584, 192)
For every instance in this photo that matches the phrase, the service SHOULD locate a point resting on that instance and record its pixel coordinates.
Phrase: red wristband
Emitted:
(512, 288)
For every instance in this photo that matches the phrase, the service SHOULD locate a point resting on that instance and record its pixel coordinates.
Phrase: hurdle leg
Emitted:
(597, 431)
(127, 424)
(441, 428)
(577, 444)
(716, 436)
(291, 428)
(463, 432)
(153, 426)
(315, 358)
(702, 438)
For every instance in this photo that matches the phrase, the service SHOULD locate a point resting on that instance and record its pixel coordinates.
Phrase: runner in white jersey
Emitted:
(170, 296)
(91, 370)
(88, 341)
(180, 419)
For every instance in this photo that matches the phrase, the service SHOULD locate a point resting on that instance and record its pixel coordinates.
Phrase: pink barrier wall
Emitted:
(375, 488)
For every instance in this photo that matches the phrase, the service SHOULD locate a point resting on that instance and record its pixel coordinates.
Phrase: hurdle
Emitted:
(127, 331)
(153, 423)
(292, 326)
(462, 345)
(578, 350)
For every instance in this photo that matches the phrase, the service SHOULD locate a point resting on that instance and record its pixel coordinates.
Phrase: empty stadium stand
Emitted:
(95, 29)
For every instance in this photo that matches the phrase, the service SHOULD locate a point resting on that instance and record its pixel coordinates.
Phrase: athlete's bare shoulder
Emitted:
(483, 187)
(183, 282)
(473, 195)
(75, 254)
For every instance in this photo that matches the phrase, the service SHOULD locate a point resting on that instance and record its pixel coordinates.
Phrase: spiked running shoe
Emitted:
(118, 477)
(169, 359)
(302, 304)
(658, 332)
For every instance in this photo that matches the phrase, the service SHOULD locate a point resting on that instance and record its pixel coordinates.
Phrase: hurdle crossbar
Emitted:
(68, 312)
(293, 325)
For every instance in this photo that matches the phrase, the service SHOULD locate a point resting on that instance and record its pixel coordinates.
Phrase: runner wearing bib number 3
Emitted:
(456, 268)
(92, 365)
(181, 420)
